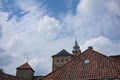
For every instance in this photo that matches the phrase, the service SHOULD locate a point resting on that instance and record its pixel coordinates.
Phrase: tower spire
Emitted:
(76, 44)
(76, 49)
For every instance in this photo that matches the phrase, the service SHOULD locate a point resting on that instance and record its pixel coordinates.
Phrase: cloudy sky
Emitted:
(39, 29)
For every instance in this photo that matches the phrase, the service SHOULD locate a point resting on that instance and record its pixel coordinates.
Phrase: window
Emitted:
(62, 60)
(87, 61)
(66, 59)
(57, 66)
(57, 60)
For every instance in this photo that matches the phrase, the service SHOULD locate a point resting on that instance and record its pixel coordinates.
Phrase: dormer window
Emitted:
(87, 61)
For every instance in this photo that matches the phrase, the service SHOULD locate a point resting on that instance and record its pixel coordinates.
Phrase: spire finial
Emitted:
(76, 44)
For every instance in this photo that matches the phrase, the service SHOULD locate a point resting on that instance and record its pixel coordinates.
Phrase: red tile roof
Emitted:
(116, 57)
(4, 76)
(99, 67)
(25, 66)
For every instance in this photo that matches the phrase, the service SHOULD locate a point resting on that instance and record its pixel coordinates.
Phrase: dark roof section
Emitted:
(62, 53)
(4, 76)
(25, 66)
(37, 77)
(116, 57)
(100, 67)
(76, 47)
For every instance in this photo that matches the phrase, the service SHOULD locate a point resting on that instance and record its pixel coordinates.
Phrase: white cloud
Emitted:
(29, 36)
(36, 61)
(26, 5)
(103, 45)
(36, 32)
(94, 18)
(5, 59)
(114, 6)
(38, 64)
(92, 7)
(3, 17)
(49, 26)
(30, 5)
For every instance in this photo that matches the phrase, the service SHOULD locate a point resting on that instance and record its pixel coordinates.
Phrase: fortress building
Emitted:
(63, 56)
(25, 71)
(87, 65)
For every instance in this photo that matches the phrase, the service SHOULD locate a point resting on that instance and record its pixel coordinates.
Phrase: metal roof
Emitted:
(62, 53)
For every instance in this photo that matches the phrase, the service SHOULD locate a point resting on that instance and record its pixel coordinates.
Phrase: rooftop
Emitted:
(4, 76)
(88, 65)
(25, 66)
(117, 57)
(62, 53)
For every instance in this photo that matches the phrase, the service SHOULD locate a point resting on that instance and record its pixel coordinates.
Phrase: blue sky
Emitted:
(41, 28)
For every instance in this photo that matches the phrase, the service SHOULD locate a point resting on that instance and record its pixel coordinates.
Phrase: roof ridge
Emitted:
(79, 56)
(63, 52)
(22, 66)
(64, 64)
(107, 56)
(118, 61)
(11, 76)
(115, 58)
(25, 66)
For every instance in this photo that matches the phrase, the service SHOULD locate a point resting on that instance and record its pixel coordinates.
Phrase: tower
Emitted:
(76, 49)
(25, 71)
(60, 59)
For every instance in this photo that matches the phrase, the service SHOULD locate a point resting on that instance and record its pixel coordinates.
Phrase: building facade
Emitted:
(60, 59)
(89, 65)
(25, 71)
(63, 56)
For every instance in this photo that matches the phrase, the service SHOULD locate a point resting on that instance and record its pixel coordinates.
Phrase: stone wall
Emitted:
(59, 61)
(25, 73)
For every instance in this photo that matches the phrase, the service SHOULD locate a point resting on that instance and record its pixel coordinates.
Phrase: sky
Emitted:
(38, 29)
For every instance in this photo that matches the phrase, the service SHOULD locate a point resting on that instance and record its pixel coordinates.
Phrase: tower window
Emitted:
(62, 60)
(57, 60)
(87, 61)
(66, 59)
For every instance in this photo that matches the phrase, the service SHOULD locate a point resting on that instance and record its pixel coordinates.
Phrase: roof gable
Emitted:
(25, 66)
(117, 57)
(4, 76)
(62, 53)
(100, 67)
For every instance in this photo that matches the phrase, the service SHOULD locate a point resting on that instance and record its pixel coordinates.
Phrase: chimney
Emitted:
(90, 47)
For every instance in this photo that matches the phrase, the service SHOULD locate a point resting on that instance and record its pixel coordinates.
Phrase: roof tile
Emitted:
(116, 57)
(4, 76)
(100, 67)
(25, 66)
